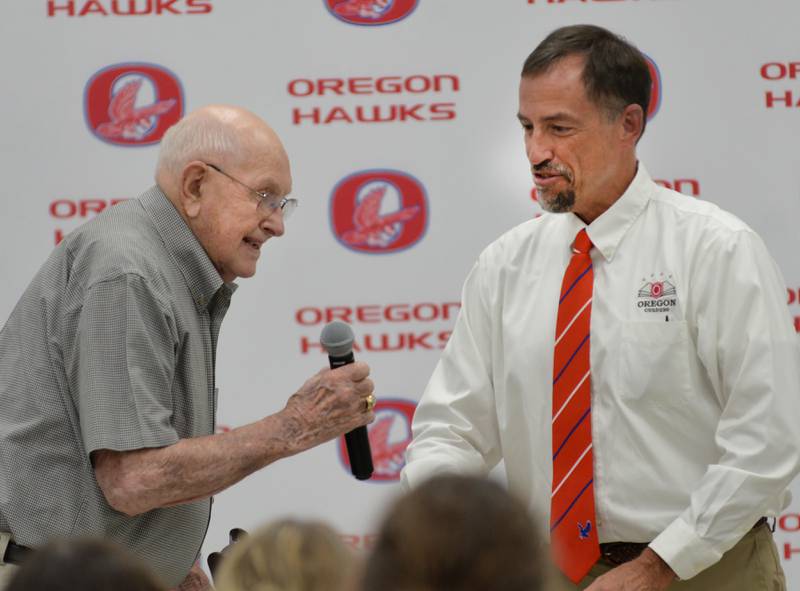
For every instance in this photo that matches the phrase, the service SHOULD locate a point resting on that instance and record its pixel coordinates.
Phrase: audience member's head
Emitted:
(82, 564)
(288, 555)
(456, 533)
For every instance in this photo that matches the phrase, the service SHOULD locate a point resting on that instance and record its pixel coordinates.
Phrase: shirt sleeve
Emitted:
(455, 425)
(746, 342)
(125, 365)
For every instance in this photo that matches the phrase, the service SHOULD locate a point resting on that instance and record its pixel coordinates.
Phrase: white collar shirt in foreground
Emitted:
(694, 367)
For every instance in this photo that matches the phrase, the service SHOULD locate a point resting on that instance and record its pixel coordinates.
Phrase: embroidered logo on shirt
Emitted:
(584, 530)
(657, 289)
(657, 295)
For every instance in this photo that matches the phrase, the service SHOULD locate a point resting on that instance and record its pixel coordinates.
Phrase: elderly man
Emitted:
(629, 355)
(107, 389)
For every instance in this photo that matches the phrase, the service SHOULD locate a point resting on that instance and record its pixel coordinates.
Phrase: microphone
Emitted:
(337, 338)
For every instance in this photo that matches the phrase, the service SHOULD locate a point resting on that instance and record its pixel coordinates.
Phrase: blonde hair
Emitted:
(288, 555)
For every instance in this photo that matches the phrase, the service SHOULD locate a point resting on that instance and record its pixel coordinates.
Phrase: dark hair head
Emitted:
(456, 533)
(615, 73)
(66, 565)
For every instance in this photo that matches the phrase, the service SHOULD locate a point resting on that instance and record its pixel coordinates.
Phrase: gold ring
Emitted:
(370, 400)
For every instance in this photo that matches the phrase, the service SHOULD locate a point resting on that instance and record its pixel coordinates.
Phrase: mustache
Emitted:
(552, 168)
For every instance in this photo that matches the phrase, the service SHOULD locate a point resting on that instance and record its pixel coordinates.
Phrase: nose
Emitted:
(273, 223)
(538, 148)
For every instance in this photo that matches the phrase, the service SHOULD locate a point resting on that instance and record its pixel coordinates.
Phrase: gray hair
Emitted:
(615, 73)
(197, 137)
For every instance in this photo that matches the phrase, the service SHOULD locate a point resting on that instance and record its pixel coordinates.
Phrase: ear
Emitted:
(632, 123)
(193, 177)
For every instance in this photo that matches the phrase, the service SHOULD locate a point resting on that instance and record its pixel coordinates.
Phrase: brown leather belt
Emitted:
(16, 554)
(617, 553)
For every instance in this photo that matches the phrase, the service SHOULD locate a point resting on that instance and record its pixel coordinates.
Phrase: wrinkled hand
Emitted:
(648, 572)
(329, 404)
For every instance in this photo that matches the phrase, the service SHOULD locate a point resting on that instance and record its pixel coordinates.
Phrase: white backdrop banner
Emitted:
(409, 103)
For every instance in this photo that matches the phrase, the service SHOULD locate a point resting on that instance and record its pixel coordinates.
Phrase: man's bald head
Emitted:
(222, 134)
(217, 166)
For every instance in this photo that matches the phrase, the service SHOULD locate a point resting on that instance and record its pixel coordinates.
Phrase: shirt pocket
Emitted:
(653, 362)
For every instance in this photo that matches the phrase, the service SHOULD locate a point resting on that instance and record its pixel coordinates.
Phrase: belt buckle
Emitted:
(618, 553)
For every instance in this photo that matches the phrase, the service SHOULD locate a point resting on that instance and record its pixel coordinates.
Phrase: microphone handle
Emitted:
(359, 453)
(340, 361)
(357, 440)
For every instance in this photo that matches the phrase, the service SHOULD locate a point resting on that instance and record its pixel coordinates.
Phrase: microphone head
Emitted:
(337, 338)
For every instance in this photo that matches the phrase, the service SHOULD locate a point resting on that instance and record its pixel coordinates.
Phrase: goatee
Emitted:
(563, 202)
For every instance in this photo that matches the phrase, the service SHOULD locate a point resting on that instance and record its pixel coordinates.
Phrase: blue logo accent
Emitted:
(584, 530)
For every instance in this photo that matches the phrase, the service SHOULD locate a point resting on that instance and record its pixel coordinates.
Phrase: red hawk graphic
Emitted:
(373, 228)
(373, 9)
(387, 458)
(128, 121)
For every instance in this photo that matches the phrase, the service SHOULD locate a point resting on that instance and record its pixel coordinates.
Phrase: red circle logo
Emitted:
(132, 104)
(389, 436)
(379, 211)
(656, 289)
(371, 12)
(655, 88)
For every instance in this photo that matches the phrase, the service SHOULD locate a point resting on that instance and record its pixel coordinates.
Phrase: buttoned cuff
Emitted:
(685, 553)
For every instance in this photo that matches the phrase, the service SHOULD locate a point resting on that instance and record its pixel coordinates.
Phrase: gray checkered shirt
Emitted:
(112, 346)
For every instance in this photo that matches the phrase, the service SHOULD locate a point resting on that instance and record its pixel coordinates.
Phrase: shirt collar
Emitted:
(202, 278)
(608, 230)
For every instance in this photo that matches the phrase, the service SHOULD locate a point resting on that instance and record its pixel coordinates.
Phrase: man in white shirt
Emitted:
(691, 375)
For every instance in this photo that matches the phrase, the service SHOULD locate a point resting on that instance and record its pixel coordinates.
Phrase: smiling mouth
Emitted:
(252, 243)
(547, 178)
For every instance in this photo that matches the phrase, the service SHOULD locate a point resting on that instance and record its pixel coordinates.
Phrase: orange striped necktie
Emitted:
(573, 527)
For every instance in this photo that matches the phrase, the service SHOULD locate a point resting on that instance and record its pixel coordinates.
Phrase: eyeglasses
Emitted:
(267, 202)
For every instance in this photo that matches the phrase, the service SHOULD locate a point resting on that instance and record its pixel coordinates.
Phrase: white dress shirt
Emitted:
(695, 377)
